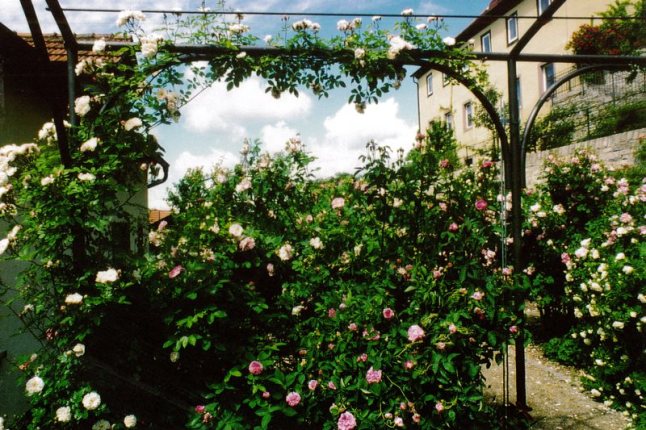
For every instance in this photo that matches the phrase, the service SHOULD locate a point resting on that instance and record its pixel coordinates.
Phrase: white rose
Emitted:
(285, 252)
(101, 425)
(627, 270)
(86, 177)
(79, 349)
(63, 414)
(620, 256)
(235, 230)
(296, 310)
(316, 243)
(130, 421)
(82, 105)
(449, 41)
(4, 244)
(107, 276)
(89, 145)
(132, 123)
(91, 401)
(74, 299)
(34, 385)
(99, 45)
(618, 325)
(47, 180)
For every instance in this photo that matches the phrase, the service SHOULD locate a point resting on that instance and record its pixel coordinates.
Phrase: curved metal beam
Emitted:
(546, 96)
(486, 104)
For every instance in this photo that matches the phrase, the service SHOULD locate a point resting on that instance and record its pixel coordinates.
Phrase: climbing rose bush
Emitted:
(358, 306)
(269, 272)
(590, 225)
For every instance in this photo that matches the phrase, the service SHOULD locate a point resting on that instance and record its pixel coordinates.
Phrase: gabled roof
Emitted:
(495, 8)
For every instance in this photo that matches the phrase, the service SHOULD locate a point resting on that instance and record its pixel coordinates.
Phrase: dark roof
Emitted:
(496, 7)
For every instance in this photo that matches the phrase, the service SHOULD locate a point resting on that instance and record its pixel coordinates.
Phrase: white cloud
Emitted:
(431, 8)
(274, 136)
(347, 132)
(185, 161)
(217, 109)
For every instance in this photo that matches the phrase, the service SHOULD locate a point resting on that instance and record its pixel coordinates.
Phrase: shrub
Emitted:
(371, 296)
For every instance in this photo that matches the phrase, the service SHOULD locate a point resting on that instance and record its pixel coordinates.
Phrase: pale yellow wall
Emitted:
(551, 39)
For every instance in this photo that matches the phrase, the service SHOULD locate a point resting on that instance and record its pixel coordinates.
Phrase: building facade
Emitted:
(439, 100)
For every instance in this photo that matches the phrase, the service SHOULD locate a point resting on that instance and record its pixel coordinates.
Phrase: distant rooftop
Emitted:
(56, 46)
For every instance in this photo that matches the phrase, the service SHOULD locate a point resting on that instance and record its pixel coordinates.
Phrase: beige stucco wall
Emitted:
(551, 39)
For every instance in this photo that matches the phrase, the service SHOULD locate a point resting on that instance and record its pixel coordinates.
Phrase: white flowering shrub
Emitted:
(591, 229)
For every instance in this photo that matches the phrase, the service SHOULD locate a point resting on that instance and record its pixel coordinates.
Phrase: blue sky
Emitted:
(214, 125)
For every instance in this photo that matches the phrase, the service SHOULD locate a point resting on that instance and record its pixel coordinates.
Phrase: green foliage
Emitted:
(584, 232)
(153, 331)
(620, 118)
(299, 276)
(553, 130)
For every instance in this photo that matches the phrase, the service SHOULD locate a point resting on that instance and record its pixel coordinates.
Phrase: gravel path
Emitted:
(555, 395)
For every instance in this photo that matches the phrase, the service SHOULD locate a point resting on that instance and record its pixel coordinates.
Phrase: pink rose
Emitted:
(417, 418)
(331, 385)
(443, 206)
(437, 274)
(444, 163)
(373, 376)
(513, 329)
(255, 367)
(441, 346)
(270, 269)
(439, 407)
(338, 203)
(266, 394)
(486, 164)
(346, 421)
(362, 358)
(409, 364)
(565, 258)
(388, 313)
(415, 333)
(312, 384)
(353, 327)
(199, 409)
(162, 225)
(481, 205)
(452, 329)
(293, 399)
(331, 313)
(175, 271)
(477, 295)
(247, 244)
(399, 422)
(453, 227)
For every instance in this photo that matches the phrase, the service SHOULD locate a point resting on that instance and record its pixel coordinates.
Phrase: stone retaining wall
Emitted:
(614, 151)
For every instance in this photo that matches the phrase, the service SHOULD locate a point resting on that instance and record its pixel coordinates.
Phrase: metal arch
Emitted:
(486, 104)
(546, 96)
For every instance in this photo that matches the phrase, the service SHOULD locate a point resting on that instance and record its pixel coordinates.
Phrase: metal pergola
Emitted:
(513, 145)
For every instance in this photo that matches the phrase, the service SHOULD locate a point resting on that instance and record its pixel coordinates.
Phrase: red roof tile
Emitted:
(56, 46)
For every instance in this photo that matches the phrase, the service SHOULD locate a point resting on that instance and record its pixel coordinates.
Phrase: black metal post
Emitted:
(516, 222)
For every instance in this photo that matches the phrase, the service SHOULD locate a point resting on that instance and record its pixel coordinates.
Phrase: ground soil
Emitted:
(555, 394)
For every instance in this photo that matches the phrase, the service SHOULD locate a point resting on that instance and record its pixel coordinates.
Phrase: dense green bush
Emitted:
(585, 231)
(371, 295)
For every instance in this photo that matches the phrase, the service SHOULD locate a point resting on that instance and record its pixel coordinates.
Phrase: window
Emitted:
(448, 120)
(549, 77)
(542, 5)
(445, 79)
(512, 28)
(519, 93)
(485, 40)
(468, 115)
(429, 84)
